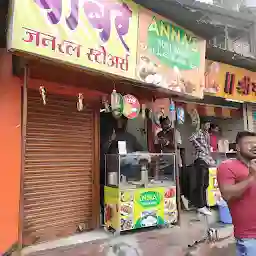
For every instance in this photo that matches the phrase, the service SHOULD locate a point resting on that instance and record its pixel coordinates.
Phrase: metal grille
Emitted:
(254, 117)
(58, 167)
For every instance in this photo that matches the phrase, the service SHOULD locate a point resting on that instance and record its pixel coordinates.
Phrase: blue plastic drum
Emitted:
(225, 216)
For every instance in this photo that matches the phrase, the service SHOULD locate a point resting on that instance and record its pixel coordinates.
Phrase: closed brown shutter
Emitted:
(58, 167)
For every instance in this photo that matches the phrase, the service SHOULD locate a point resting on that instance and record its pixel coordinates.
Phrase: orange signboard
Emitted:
(229, 82)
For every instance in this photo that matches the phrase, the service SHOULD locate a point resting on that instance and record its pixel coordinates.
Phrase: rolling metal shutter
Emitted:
(58, 178)
(253, 116)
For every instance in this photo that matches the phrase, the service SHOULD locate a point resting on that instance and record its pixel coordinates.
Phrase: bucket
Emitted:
(225, 216)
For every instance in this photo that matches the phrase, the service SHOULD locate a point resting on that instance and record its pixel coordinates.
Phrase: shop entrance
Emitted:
(58, 175)
(136, 127)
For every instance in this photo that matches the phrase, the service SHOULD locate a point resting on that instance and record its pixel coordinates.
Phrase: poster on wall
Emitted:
(169, 56)
(98, 34)
(213, 192)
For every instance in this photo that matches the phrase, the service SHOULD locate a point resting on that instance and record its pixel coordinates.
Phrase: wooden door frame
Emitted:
(96, 169)
(24, 114)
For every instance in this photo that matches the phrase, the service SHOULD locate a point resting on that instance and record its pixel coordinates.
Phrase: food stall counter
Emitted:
(140, 191)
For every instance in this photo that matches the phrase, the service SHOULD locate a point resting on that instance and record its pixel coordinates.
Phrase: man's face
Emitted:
(206, 126)
(215, 130)
(247, 147)
(166, 124)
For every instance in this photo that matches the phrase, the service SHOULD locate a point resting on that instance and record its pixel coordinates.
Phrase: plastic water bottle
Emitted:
(172, 112)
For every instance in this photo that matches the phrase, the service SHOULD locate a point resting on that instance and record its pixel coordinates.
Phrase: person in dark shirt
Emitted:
(120, 134)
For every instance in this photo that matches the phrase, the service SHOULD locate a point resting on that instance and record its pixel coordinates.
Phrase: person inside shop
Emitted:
(120, 133)
(223, 143)
(123, 142)
(165, 136)
(166, 141)
(201, 144)
(237, 182)
(214, 134)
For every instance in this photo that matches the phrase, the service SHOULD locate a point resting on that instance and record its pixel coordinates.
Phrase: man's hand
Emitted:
(252, 168)
(113, 136)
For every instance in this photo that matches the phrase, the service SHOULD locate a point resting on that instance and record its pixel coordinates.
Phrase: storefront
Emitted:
(234, 85)
(60, 120)
(228, 104)
(229, 120)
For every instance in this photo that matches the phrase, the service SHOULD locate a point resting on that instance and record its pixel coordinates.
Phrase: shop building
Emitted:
(63, 83)
(235, 85)
(229, 118)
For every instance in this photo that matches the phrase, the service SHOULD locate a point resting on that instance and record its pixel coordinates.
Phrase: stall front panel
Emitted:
(58, 175)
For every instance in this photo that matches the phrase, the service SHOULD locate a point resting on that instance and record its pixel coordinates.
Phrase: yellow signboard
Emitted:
(213, 192)
(230, 82)
(98, 34)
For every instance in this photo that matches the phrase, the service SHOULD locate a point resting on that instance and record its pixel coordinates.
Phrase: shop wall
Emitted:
(10, 137)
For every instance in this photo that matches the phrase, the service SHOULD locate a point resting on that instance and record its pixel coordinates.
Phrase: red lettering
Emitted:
(229, 83)
(254, 87)
(244, 86)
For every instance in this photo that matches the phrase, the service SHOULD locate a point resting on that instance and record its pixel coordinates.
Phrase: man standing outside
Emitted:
(237, 183)
(201, 143)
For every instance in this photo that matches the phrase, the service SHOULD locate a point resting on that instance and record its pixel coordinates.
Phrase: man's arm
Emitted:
(228, 187)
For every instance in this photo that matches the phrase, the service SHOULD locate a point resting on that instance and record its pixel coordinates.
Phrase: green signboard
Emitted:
(172, 45)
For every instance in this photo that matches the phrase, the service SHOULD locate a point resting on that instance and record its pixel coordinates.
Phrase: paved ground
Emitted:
(162, 242)
(152, 249)
(227, 251)
(226, 247)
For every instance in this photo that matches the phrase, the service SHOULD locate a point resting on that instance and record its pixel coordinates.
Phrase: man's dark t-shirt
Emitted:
(132, 144)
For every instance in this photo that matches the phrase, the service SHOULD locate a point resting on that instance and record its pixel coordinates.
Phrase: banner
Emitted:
(229, 82)
(140, 208)
(169, 56)
(98, 34)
